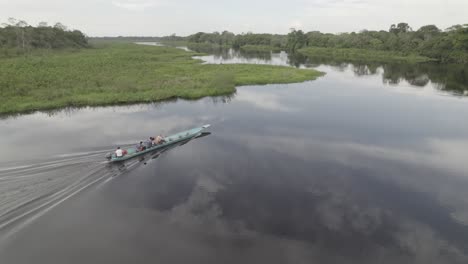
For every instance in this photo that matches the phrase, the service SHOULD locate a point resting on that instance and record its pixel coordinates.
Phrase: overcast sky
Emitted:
(184, 17)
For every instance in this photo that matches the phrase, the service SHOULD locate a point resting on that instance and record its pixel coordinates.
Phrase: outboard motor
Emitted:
(109, 156)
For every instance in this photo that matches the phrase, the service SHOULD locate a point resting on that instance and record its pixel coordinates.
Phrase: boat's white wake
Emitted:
(28, 191)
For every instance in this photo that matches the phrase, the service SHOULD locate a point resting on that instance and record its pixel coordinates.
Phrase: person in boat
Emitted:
(148, 143)
(119, 153)
(160, 139)
(140, 147)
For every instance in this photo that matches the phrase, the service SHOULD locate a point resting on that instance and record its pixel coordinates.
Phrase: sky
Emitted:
(185, 17)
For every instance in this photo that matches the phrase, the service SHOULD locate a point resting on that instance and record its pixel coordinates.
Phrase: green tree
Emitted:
(296, 40)
(400, 28)
(17, 35)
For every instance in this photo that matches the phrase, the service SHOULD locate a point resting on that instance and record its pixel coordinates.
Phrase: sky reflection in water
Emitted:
(342, 169)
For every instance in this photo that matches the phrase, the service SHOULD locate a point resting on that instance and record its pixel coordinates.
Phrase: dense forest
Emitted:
(450, 45)
(227, 38)
(18, 37)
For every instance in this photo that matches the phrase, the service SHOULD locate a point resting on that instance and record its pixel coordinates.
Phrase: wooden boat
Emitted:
(170, 140)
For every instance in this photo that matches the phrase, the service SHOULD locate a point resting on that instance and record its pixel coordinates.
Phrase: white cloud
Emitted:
(266, 101)
(296, 24)
(136, 5)
(184, 17)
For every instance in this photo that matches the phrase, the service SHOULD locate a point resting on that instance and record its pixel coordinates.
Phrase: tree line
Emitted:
(20, 37)
(230, 39)
(449, 45)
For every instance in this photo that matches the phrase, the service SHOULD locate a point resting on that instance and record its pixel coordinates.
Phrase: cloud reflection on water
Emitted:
(321, 211)
(331, 171)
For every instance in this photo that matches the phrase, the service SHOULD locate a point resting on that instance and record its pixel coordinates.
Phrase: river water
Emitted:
(367, 164)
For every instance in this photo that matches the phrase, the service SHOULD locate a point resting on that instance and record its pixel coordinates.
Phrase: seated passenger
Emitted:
(140, 147)
(119, 153)
(160, 139)
(148, 144)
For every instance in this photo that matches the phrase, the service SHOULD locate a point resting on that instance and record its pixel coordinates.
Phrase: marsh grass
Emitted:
(124, 73)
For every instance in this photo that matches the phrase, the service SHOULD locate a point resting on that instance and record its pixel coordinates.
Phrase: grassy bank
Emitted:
(362, 55)
(174, 43)
(124, 73)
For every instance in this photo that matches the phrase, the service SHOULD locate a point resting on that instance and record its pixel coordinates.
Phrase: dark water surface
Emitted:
(363, 165)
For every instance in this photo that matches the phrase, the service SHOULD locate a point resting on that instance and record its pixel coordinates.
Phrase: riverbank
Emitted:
(362, 55)
(348, 54)
(125, 73)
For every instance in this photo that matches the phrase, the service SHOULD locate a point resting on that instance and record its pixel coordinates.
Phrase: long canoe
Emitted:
(170, 140)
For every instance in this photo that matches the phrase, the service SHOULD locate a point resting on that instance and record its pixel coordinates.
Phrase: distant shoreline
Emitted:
(362, 55)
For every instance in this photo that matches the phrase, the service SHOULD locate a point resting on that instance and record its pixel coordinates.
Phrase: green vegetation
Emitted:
(399, 41)
(362, 55)
(124, 73)
(450, 45)
(264, 42)
(19, 38)
(274, 41)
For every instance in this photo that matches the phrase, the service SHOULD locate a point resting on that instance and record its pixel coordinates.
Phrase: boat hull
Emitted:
(170, 140)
